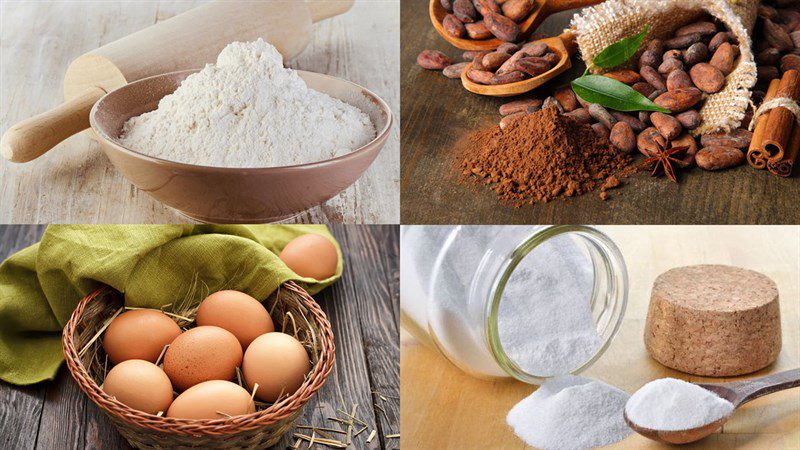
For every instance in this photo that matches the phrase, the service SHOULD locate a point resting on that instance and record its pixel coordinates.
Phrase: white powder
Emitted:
(545, 322)
(247, 110)
(571, 413)
(670, 404)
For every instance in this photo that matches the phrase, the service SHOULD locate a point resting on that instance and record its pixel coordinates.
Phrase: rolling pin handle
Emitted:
(33, 137)
(325, 9)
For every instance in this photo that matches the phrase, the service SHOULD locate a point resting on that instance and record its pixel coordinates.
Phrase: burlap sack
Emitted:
(601, 25)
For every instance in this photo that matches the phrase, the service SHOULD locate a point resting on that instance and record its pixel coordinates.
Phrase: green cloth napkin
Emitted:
(153, 265)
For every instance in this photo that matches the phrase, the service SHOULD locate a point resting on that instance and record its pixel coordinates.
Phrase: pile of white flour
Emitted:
(247, 110)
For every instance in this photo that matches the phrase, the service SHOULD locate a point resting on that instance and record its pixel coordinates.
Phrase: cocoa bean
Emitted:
(511, 64)
(795, 36)
(493, 60)
(477, 63)
(636, 125)
(506, 121)
(768, 56)
(776, 36)
(724, 58)
(566, 97)
(600, 114)
(447, 5)
(669, 65)
(509, 77)
(653, 77)
(718, 157)
(622, 137)
(480, 76)
(465, 11)
(739, 138)
(533, 108)
(681, 42)
(552, 101)
(790, 62)
(667, 126)
(702, 28)
(626, 76)
(486, 6)
(707, 78)
(455, 70)
(679, 100)
(656, 46)
(717, 40)
(533, 66)
(470, 55)
(791, 17)
(678, 79)
(674, 54)
(644, 117)
(433, 60)
(767, 73)
(501, 27)
(519, 106)
(453, 26)
(580, 115)
(643, 88)
(655, 94)
(535, 49)
(508, 47)
(650, 141)
(600, 130)
(767, 12)
(649, 58)
(477, 31)
(697, 53)
(689, 119)
(518, 10)
(686, 140)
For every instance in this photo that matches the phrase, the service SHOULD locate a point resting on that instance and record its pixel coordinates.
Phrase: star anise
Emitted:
(663, 159)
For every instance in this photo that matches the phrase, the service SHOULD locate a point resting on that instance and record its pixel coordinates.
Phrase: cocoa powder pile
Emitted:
(542, 156)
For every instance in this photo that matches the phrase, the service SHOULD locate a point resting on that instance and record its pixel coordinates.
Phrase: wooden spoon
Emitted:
(564, 46)
(736, 392)
(540, 12)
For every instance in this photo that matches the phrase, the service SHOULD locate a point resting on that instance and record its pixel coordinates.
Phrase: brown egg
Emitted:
(210, 398)
(140, 385)
(278, 363)
(311, 256)
(236, 312)
(202, 354)
(139, 334)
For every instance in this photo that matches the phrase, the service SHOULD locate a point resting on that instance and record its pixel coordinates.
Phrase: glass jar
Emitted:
(527, 302)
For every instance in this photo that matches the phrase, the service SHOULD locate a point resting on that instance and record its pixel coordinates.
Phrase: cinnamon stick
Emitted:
(783, 168)
(755, 154)
(781, 121)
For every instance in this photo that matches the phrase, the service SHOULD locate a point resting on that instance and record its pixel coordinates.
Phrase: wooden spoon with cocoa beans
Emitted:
(534, 64)
(513, 20)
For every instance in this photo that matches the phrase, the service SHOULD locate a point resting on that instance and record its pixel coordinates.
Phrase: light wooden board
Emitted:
(76, 183)
(445, 409)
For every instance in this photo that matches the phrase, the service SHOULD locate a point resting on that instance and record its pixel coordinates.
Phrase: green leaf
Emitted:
(612, 94)
(619, 52)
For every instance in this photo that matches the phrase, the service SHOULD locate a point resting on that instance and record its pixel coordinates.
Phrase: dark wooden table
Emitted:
(437, 111)
(363, 308)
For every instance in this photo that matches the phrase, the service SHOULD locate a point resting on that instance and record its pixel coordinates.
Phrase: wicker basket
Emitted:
(260, 429)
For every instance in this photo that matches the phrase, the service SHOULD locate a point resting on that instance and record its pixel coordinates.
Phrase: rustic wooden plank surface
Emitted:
(437, 112)
(443, 408)
(361, 307)
(76, 183)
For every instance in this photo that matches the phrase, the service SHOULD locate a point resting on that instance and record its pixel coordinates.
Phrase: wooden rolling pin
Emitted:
(186, 41)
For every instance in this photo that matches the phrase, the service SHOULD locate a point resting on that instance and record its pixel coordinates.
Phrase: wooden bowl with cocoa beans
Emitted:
(487, 24)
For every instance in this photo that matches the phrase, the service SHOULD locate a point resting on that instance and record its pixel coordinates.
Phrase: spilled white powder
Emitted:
(670, 404)
(571, 413)
(247, 110)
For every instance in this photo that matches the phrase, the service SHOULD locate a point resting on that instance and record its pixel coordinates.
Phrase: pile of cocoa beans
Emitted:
(776, 40)
(484, 19)
(675, 73)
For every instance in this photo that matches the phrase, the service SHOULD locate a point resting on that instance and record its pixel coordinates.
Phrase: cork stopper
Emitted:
(713, 320)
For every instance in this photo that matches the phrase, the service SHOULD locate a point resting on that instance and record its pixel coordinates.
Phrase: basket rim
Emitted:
(284, 409)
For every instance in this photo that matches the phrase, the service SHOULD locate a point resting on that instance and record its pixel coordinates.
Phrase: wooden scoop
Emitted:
(736, 392)
(541, 11)
(564, 46)
(186, 41)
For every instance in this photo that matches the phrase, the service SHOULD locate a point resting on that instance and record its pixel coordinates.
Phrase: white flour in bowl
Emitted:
(247, 110)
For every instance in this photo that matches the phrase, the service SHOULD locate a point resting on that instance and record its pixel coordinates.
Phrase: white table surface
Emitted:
(76, 183)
